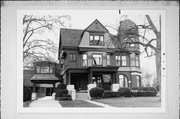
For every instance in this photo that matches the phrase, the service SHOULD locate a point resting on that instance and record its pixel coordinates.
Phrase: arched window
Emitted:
(123, 81)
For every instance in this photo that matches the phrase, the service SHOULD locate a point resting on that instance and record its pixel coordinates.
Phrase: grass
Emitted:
(77, 103)
(131, 102)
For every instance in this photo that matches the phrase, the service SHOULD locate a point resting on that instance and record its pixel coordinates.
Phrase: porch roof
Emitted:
(104, 69)
(44, 77)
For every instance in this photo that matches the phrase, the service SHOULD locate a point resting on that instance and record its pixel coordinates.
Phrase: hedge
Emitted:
(96, 92)
(111, 94)
(143, 94)
(124, 92)
(61, 86)
(144, 91)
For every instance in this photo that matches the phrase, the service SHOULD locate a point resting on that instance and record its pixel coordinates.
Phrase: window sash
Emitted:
(137, 61)
(108, 59)
(123, 82)
(96, 40)
(124, 61)
(72, 57)
(84, 60)
(118, 60)
(97, 59)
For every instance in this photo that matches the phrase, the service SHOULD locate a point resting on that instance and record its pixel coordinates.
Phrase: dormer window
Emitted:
(96, 39)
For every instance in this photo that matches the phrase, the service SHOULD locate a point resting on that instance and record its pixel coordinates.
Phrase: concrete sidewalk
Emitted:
(45, 102)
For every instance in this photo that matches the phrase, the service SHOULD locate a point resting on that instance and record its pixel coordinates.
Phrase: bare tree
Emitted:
(131, 35)
(36, 46)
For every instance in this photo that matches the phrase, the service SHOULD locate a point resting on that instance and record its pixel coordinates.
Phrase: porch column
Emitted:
(34, 95)
(113, 78)
(54, 88)
(34, 87)
(69, 78)
(90, 77)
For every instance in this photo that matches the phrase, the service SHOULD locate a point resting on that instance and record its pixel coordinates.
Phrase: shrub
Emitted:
(61, 86)
(149, 89)
(111, 94)
(96, 92)
(124, 92)
(60, 93)
(27, 91)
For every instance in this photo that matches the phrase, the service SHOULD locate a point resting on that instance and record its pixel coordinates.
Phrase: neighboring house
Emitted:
(42, 79)
(93, 56)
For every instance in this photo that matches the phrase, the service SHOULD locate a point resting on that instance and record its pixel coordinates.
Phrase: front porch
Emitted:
(103, 77)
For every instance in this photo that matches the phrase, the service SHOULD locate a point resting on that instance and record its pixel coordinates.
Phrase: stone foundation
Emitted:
(115, 87)
(34, 96)
(71, 91)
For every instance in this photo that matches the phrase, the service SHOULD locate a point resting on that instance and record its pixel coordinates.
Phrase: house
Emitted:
(93, 56)
(43, 79)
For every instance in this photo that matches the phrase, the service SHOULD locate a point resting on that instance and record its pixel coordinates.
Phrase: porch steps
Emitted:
(82, 96)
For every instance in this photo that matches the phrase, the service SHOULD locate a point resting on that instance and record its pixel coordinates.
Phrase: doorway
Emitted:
(80, 81)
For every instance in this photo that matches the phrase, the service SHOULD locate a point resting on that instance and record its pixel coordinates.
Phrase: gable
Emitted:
(96, 26)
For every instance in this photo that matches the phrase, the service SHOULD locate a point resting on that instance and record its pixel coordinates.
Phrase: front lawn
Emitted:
(77, 103)
(131, 101)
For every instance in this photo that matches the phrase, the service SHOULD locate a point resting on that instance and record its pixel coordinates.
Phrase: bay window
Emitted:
(123, 81)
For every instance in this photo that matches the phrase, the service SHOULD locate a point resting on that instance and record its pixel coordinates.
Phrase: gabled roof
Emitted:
(96, 26)
(70, 37)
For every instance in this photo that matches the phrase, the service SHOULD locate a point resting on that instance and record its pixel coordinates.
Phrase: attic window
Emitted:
(96, 40)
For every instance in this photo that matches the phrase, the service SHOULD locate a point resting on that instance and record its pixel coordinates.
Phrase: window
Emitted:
(97, 59)
(84, 60)
(138, 79)
(96, 40)
(108, 59)
(72, 57)
(38, 69)
(137, 61)
(51, 69)
(44, 70)
(118, 60)
(124, 61)
(106, 78)
(123, 81)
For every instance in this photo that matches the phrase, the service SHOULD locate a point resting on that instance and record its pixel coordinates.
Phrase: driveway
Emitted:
(45, 102)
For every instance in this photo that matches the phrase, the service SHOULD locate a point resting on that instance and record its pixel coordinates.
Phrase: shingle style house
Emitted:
(92, 56)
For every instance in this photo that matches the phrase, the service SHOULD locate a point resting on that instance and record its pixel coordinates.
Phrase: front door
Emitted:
(80, 81)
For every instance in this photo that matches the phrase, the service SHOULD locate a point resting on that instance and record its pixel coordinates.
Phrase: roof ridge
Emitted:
(71, 29)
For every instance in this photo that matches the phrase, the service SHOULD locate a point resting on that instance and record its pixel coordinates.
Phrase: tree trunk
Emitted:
(158, 61)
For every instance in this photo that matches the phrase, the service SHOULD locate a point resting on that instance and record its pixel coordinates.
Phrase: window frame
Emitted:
(101, 59)
(108, 60)
(125, 81)
(137, 60)
(123, 60)
(92, 41)
(73, 59)
(85, 59)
